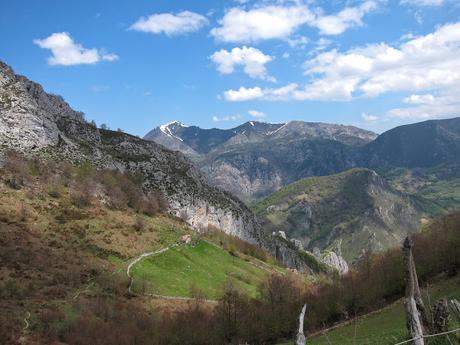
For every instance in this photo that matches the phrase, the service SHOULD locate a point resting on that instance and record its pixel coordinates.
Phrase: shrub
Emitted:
(15, 164)
(139, 224)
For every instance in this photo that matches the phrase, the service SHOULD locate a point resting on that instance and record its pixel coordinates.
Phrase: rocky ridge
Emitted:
(256, 158)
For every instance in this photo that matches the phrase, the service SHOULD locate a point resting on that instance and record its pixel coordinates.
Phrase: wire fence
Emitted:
(387, 338)
(429, 336)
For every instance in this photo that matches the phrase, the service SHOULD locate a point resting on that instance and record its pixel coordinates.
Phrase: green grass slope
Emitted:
(388, 326)
(204, 267)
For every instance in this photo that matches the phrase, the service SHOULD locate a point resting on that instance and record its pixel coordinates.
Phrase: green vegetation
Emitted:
(204, 267)
(437, 189)
(352, 210)
(387, 326)
(310, 188)
(444, 195)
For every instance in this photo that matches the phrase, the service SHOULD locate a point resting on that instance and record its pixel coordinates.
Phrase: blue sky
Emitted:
(137, 64)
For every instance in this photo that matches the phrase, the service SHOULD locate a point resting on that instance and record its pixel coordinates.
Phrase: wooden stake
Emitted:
(413, 316)
(300, 338)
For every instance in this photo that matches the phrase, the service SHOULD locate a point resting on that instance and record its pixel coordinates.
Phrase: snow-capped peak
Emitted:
(166, 129)
(276, 130)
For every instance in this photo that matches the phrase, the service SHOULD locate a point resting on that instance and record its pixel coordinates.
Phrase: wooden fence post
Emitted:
(441, 316)
(413, 316)
(300, 338)
(455, 307)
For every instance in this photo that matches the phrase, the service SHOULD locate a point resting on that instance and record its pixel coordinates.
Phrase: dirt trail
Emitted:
(139, 258)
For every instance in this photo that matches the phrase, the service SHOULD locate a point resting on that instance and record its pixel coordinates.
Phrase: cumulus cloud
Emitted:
(170, 24)
(66, 52)
(244, 94)
(427, 106)
(252, 59)
(270, 22)
(423, 63)
(256, 114)
(226, 118)
(348, 17)
(281, 22)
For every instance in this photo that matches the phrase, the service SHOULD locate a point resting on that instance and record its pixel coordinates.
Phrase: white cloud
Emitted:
(423, 63)
(226, 118)
(170, 24)
(270, 22)
(348, 17)
(419, 99)
(423, 107)
(252, 59)
(243, 94)
(422, 3)
(282, 21)
(256, 114)
(369, 118)
(66, 52)
(321, 90)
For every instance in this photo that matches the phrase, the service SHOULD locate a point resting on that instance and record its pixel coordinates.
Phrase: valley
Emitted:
(195, 233)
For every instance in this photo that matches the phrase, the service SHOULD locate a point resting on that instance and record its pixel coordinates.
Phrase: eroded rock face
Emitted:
(335, 261)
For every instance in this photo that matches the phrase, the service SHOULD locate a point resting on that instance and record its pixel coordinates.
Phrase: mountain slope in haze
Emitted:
(256, 159)
(347, 213)
(424, 144)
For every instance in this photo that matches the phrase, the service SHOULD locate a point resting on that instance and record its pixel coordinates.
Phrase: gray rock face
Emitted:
(37, 123)
(335, 261)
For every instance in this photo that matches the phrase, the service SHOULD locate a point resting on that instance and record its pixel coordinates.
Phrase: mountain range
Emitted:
(256, 159)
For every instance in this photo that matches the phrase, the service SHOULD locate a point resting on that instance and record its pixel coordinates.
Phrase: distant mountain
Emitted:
(346, 213)
(195, 140)
(256, 159)
(424, 144)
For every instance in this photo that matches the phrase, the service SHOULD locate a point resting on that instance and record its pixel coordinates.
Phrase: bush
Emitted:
(15, 164)
(139, 224)
(150, 206)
